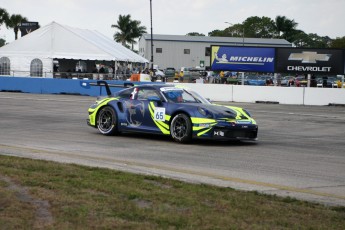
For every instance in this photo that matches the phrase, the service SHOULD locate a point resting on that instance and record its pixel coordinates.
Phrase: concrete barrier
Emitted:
(282, 95)
(216, 92)
(54, 86)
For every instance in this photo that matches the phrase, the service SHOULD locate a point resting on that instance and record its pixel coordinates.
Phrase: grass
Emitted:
(35, 193)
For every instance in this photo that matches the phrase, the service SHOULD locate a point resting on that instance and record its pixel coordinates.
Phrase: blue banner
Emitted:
(242, 59)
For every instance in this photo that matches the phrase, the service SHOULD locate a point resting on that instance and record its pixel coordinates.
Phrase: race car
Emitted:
(167, 109)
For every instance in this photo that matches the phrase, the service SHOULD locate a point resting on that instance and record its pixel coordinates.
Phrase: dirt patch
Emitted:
(43, 215)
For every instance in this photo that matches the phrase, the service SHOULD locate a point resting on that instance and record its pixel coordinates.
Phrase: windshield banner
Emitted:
(242, 59)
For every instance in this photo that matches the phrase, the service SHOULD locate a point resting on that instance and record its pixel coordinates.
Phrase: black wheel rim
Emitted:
(180, 128)
(105, 121)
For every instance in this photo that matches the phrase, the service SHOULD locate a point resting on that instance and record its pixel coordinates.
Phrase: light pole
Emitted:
(242, 32)
(151, 36)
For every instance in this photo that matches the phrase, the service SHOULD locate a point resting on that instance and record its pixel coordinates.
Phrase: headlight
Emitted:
(202, 111)
(205, 112)
(93, 106)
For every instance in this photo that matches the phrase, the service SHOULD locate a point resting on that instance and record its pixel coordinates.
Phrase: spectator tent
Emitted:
(59, 42)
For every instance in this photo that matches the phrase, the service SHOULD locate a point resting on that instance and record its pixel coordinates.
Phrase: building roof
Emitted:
(60, 41)
(217, 40)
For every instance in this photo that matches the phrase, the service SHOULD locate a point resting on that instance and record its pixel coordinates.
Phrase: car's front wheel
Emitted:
(181, 128)
(107, 121)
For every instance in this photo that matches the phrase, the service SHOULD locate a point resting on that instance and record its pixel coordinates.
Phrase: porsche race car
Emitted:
(167, 109)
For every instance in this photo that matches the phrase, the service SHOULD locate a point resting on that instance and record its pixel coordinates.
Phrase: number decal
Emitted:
(159, 114)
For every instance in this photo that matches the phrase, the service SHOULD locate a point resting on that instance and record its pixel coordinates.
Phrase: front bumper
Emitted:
(237, 132)
(89, 123)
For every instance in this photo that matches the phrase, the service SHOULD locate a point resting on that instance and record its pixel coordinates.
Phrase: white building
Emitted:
(190, 51)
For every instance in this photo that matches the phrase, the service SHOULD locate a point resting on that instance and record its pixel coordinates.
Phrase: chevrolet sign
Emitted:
(309, 57)
(309, 61)
(309, 69)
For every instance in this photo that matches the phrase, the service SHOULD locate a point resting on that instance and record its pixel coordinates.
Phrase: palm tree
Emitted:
(129, 30)
(137, 31)
(280, 24)
(285, 27)
(124, 25)
(14, 22)
(4, 16)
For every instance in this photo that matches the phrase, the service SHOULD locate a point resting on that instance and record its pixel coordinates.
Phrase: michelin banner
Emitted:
(242, 59)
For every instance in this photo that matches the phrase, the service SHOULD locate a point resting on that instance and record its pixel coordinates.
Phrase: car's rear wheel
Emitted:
(181, 128)
(107, 121)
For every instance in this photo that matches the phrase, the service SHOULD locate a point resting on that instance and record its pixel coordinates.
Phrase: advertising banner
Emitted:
(242, 59)
(309, 61)
(27, 27)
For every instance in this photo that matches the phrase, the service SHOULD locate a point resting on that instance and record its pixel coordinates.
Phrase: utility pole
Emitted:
(151, 36)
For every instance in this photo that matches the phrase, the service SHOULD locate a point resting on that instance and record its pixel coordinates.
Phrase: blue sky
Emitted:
(179, 17)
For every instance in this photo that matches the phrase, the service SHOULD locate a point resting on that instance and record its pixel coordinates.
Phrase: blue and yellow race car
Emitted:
(169, 110)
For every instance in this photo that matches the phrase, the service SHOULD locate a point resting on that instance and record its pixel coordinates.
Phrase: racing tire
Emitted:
(181, 128)
(107, 121)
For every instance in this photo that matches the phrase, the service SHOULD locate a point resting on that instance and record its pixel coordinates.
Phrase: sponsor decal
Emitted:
(243, 122)
(135, 111)
(218, 133)
(204, 125)
(165, 89)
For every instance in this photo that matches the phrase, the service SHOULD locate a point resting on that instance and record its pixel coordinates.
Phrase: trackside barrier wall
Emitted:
(216, 92)
(282, 95)
(55, 86)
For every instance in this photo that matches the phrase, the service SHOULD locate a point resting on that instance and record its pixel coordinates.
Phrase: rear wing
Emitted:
(107, 85)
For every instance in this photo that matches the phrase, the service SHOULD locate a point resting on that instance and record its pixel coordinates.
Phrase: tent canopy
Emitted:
(60, 41)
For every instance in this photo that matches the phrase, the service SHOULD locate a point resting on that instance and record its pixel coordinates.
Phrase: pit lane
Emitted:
(300, 152)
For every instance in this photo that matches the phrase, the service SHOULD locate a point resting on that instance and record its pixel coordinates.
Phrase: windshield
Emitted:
(177, 95)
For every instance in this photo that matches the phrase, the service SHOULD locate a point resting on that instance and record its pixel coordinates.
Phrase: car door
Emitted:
(139, 117)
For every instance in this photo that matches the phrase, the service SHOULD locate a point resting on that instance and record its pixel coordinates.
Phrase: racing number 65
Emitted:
(159, 114)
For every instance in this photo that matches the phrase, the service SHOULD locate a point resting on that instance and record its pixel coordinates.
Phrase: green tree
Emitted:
(217, 33)
(285, 28)
(338, 43)
(137, 31)
(124, 25)
(4, 16)
(14, 22)
(194, 34)
(2, 42)
(301, 39)
(256, 27)
(236, 30)
(129, 30)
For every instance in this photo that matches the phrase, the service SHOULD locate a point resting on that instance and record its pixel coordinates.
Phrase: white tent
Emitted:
(56, 41)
